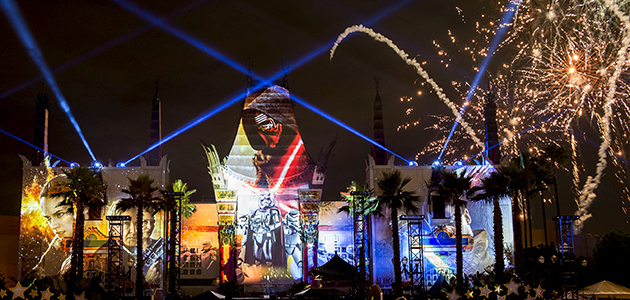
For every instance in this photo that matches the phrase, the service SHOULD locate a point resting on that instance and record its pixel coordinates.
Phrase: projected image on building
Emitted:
(261, 179)
(47, 225)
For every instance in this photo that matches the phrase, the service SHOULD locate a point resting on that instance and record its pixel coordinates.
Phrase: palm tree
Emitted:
(187, 209)
(140, 193)
(517, 177)
(84, 191)
(494, 188)
(454, 187)
(394, 197)
(558, 156)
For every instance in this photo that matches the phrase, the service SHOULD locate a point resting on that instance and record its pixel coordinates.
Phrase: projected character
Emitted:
(272, 132)
(208, 259)
(60, 218)
(266, 233)
(153, 249)
(292, 240)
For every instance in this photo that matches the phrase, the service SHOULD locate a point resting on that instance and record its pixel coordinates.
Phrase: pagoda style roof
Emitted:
(335, 268)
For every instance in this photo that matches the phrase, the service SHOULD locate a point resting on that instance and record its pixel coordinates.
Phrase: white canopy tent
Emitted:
(605, 290)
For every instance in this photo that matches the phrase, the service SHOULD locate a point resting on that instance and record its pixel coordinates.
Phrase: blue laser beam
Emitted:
(328, 45)
(40, 149)
(207, 49)
(159, 22)
(13, 14)
(344, 126)
(100, 49)
(204, 116)
(507, 18)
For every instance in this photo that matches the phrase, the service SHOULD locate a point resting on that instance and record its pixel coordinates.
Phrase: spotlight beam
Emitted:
(40, 149)
(111, 44)
(344, 126)
(507, 18)
(199, 119)
(160, 22)
(207, 49)
(13, 14)
(369, 22)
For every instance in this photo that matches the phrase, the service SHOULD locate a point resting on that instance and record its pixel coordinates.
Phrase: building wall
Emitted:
(9, 235)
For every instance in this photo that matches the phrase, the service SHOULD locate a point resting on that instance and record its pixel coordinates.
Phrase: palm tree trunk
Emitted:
(458, 243)
(396, 260)
(499, 266)
(77, 243)
(518, 235)
(139, 258)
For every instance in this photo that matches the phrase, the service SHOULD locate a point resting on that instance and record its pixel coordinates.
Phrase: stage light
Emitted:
(74, 165)
(97, 165)
(458, 163)
(120, 165)
(437, 163)
(413, 164)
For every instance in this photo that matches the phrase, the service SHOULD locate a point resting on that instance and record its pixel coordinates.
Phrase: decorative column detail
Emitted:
(309, 209)
(226, 207)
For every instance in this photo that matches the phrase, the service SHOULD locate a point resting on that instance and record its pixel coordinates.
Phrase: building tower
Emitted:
(379, 155)
(153, 157)
(492, 135)
(41, 128)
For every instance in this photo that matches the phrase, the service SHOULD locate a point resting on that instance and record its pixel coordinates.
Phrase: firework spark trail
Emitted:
(412, 62)
(588, 195)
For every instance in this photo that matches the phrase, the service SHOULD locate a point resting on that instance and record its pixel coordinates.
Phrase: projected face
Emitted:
(130, 235)
(268, 129)
(59, 217)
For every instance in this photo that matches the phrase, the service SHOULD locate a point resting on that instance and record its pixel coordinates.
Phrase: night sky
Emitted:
(108, 59)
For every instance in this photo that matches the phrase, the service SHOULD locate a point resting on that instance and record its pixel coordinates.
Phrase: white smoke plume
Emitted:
(412, 62)
(587, 196)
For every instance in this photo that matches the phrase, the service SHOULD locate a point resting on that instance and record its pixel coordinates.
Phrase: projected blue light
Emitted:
(40, 149)
(97, 165)
(204, 116)
(14, 16)
(413, 164)
(344, 126)
(179, 34)
(507, 18)
(74, 165)
(458, 163)
(121, 165)
(111, 44)
(263, 83)
(326, 48)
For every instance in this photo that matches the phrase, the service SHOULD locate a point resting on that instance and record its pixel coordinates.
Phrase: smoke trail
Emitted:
(412, 62)
(588, 195)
